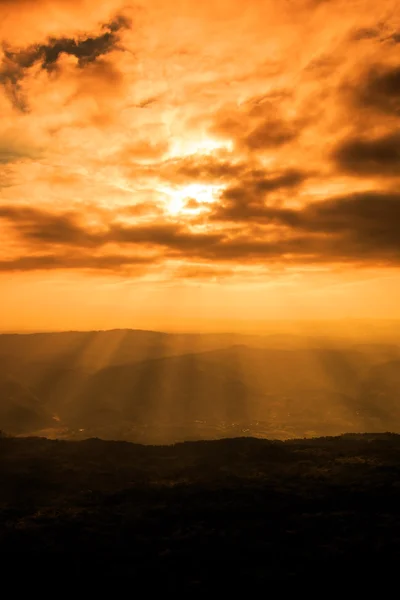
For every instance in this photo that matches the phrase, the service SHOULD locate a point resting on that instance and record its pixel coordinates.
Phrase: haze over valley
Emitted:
(156, 387)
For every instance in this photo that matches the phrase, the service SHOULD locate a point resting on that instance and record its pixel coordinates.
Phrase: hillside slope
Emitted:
(238, 512)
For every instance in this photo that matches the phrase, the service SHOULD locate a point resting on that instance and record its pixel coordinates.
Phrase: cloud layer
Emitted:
(135, 137)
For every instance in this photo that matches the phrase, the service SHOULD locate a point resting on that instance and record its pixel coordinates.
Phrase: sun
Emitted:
(178, 198)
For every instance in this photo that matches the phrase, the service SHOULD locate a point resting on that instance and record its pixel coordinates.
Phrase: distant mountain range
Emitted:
(150, 386)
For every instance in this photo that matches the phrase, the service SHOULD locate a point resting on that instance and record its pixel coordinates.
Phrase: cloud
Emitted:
(47, 262)
(269, 134)
(380, 89)
(365, 33)
(361, 227)
(141, 209)
(193, 204)
(356, 228)
(364, 214)
(207, 273)
(244, 137)
(203, 168)
(169, 235)
(257, 124)
(47, 228)
(369, 213)
(14, 148)
(142, 149)
(246, 200)
(369, 156)
(87, 50)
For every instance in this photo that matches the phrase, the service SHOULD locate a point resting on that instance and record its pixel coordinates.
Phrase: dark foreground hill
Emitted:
(241, 513)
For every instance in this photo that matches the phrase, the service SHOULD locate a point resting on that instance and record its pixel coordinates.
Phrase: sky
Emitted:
(172, 164)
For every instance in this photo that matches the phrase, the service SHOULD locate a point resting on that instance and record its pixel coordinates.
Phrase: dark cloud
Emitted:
(380, 89)
(365, 215)
(322, 66)
(87, 50)
(247, 249)
(360, 228)
(196, 168)
(257, 124)
(45, 262)
(269, 134)
(287, 179)
(220, 169)
(357, 227)
(169, 235)
(365, 33)
(149, 101)
(118, 23)
(246, 200)
(13, 150)
(42, 227)
(304, 250)
(370, 156)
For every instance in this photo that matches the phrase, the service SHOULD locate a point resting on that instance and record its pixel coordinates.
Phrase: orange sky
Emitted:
(183, 163)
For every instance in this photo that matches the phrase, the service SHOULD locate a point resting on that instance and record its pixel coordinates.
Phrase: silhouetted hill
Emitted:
(93, 350)
(240, 512)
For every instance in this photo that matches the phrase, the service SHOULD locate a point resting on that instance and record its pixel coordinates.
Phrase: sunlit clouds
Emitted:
(201, 153)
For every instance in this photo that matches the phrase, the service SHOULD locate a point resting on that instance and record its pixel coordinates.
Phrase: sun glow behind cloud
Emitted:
(190, 198)
(205, 145)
